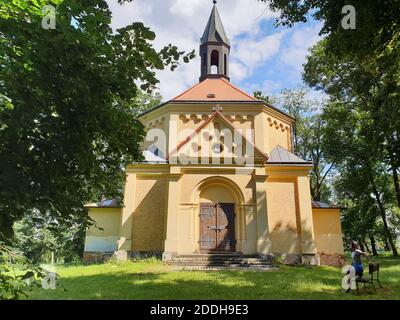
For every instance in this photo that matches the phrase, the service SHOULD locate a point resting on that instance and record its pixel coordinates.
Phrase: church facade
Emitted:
(219, 176)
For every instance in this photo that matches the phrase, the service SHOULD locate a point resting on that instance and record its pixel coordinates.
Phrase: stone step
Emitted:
(218, 257)
(197, 264)
(220, 260)
(265, 268)
(232, 260)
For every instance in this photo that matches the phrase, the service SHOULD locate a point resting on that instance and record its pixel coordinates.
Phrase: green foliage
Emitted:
(41, 237)
(376, 22)
(17, 276)
(295, 103)
(361, 132)
(143, 102)
(267, 99)
(67, 129)
(360, 71)
(307, 133)
(307, 136)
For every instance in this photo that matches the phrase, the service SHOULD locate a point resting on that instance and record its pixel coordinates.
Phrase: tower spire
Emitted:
(214, 48)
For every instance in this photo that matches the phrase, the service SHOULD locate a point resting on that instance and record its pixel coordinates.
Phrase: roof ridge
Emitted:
(236, 88)
(218, 82)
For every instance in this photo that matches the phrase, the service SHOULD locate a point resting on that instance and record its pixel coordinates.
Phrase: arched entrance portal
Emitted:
(219, 203)
(217, 227)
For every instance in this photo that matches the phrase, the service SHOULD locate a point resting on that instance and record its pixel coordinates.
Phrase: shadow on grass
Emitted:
(283, 283)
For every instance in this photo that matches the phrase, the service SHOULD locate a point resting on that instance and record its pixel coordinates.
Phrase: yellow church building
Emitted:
(219, 176)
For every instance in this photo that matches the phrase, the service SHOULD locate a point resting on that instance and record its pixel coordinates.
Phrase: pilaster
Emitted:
(172, 239)
(125, 241)
(263, 242)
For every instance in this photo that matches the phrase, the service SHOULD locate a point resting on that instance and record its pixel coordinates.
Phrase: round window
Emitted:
(217, 147)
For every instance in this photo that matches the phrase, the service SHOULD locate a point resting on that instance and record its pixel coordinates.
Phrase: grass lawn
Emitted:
(151, 279)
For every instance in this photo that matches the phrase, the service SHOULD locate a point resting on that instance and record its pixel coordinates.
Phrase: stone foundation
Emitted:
(96, 257)
(138, 255)
(318, 259)
(335, 260)
(310, 259)
(268, 257)
(168, 256)
(101, 257)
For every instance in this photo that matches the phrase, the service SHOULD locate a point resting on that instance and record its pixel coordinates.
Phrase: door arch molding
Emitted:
(237, 200)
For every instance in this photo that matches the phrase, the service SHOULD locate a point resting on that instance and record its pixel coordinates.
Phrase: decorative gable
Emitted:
(216, 141)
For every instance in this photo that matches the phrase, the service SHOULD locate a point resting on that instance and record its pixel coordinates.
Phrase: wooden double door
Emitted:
(217, 227)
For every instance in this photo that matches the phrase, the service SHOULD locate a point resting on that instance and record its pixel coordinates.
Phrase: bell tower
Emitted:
(214, 48)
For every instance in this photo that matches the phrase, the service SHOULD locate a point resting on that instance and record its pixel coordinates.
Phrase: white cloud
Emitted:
(294, 54)
(238, 71)
(253, 53)
(182, 22)
(270, 87)
(186, 9)
(267, 87)
(243, 16)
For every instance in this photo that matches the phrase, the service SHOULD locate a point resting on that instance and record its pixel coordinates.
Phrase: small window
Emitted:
(214, 62)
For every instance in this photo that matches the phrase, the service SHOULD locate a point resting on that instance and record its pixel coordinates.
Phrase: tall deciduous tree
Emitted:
(66, 132)
(41, 237)
(145, 101)
(268, 99)
(362, 173)
(366, 59)
(369, 86)
(307, 132)
(376, 22)
(295, 103)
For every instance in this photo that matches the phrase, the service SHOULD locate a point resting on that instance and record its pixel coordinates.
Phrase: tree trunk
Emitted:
(396, 183)
(373, 245)
(6, 228)
(394, 167)
(361, 245)
(366, 246)
(387, 248)
(383, 215)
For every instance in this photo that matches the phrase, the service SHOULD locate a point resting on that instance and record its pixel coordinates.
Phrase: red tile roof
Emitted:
(214, 90)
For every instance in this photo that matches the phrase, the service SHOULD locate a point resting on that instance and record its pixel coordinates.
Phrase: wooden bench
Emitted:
(373, 269)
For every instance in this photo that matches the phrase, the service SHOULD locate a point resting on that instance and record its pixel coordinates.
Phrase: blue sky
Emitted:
(262, 57)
